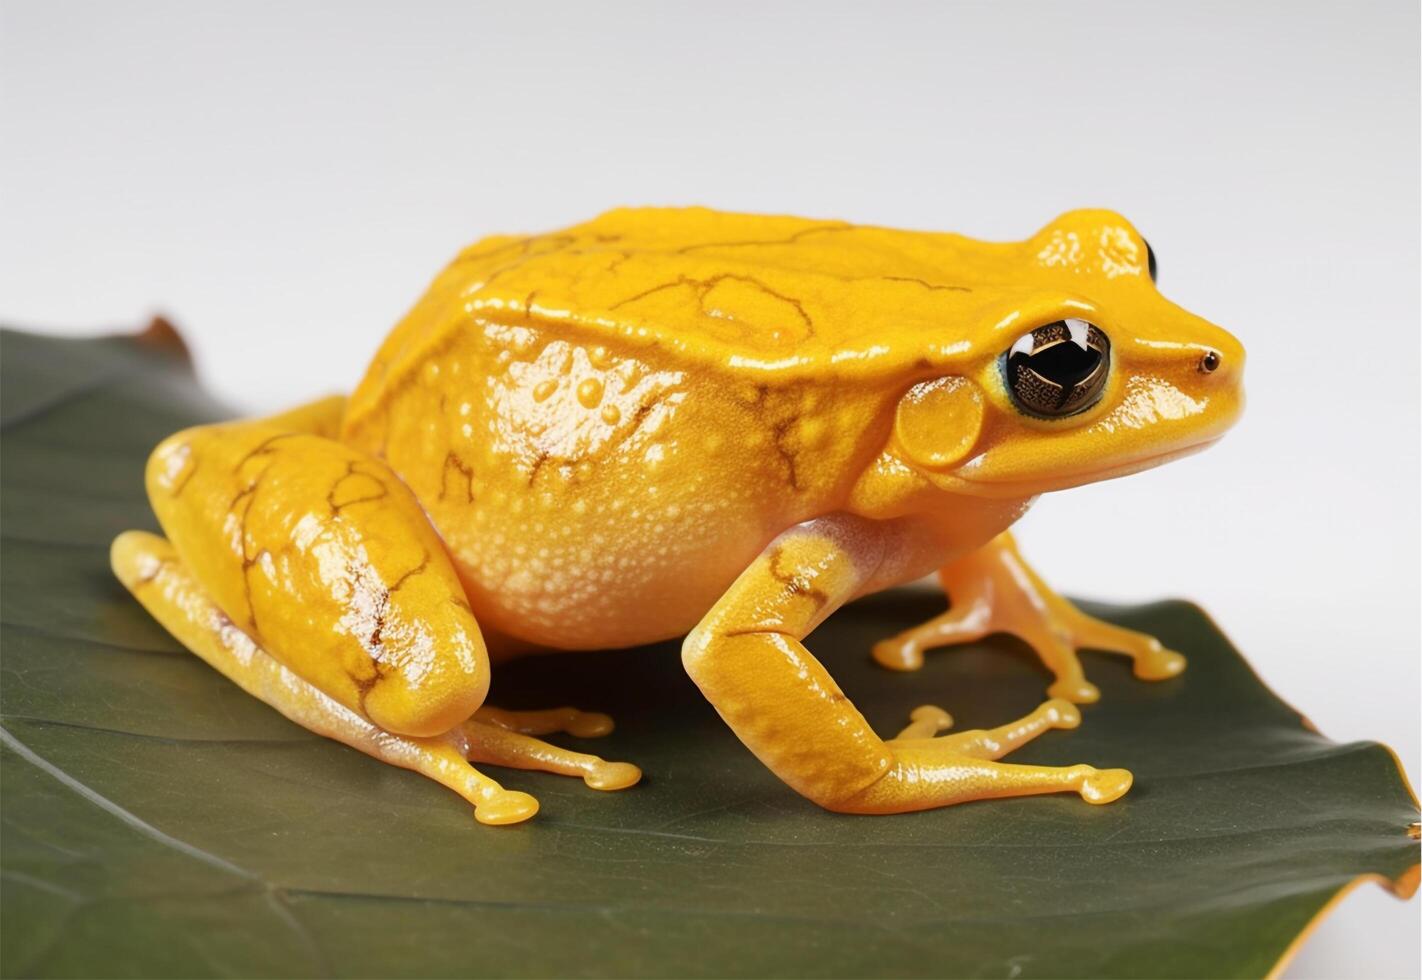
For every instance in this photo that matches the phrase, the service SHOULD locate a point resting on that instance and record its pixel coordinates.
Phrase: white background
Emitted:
(283, 180)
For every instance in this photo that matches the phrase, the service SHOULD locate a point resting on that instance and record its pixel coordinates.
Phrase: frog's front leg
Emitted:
(747, 657)
(992, 590)
(308, 573)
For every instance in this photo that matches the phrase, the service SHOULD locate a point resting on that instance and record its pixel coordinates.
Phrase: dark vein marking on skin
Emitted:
(364, 685)
(249, 494)
(794, 583)
(247, 565)
(374, 644)
(682, 281)
(791, 240)
(524, 250)
(936, 287)
(752, 281)
(759, 631)
(264, 447)
(453, 462)
(538, 461)
(353, 470)
(703, 288)
(781, 430)
(645, 409)
(246, 491)
(395, 586)
(634, 423)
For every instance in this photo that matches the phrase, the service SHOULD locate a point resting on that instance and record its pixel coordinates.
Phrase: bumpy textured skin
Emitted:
(665, 422)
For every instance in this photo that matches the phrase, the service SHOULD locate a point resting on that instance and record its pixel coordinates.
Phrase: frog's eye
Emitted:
(1058, 369)
(1151, 267)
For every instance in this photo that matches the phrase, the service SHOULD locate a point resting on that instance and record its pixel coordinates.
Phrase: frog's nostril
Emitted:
(1210, 362)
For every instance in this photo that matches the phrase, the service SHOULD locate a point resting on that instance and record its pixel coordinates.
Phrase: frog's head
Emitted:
(1082, 372)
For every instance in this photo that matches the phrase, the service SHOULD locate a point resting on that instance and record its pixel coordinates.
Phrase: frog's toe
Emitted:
(488, 742)
(505, 807)
(1159, 665)
(896, 653)
(589, 724)
(612, 776)
(1075, 690)
(1061, 713)
(1105, 785)
(926, 721)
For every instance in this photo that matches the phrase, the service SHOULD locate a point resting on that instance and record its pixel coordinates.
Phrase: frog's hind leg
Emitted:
(501, 746)
(324, 557)
(149, 567)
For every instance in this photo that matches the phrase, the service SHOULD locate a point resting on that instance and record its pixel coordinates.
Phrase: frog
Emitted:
(681, 423)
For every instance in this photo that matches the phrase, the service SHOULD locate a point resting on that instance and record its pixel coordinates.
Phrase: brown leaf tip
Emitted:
(160, 334)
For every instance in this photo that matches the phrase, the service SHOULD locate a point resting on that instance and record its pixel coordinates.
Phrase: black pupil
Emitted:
(1064, 363)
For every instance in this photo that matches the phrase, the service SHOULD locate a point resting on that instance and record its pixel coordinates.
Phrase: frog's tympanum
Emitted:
(668, 423)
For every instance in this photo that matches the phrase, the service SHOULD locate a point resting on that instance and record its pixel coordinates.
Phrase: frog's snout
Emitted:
(1214, 363)
(1218, 374)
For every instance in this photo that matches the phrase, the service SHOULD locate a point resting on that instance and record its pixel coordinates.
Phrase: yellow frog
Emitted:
(670, 422)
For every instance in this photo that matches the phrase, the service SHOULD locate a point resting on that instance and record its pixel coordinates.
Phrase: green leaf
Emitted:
(159, 822)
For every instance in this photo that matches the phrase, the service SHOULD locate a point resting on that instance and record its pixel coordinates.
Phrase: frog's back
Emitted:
(753, 295)
(607, 424)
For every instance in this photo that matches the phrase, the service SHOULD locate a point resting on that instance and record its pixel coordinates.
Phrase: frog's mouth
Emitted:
(1076, 478)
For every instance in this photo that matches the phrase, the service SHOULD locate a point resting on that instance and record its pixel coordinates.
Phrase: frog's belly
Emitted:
(594, 498)
(641, 579)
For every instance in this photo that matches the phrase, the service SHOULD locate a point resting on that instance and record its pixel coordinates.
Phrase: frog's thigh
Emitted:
(994, 590)
(747, 658)
(150, 568)
(323, 556)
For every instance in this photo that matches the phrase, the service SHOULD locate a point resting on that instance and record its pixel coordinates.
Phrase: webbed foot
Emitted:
(994, 591)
